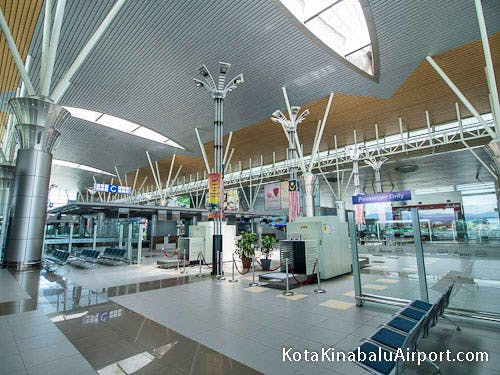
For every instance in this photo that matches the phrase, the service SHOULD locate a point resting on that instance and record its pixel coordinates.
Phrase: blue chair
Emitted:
(376, 367)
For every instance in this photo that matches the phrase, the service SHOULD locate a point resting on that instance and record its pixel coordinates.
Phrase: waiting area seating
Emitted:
(57, 257)
(86, 258)
(403, 331)
(112, 256)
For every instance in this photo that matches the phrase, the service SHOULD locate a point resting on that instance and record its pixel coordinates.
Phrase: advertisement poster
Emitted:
(179, 202)
(272, 196)
(284, 195)
(231, 200)
(215, 188)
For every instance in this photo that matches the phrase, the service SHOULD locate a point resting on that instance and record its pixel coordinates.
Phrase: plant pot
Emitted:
(266, 264)
(247, 263)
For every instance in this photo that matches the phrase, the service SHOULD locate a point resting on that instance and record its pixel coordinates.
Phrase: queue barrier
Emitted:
(403, 331)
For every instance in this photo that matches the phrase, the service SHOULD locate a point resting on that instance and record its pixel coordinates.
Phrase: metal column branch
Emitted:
(218, 91)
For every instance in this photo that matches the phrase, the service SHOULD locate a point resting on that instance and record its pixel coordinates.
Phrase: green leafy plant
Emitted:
(267, 245)
(245, 245)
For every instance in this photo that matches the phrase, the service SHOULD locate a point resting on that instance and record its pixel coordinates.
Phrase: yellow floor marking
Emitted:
(295, 297)
(339, 305)
(375, 286)
(256, 289)
(388, 281)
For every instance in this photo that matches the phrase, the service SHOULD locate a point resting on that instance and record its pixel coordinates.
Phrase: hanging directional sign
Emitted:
(107, 188)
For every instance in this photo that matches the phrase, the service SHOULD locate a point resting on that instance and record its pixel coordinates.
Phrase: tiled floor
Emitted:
(189, 325)
(11, 290)
(31, 344)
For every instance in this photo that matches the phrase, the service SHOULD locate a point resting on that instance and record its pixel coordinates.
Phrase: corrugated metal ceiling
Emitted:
(143, 67)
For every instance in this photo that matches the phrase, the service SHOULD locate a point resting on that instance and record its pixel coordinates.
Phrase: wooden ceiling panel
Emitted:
(423, 90)
(21, 16)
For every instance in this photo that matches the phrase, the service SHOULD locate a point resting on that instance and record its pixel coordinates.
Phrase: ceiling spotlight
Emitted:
(224, 67)
(238, 79)
(295, 110)
(218, 90)
(198, 82)
(302, 116)
(203, 70)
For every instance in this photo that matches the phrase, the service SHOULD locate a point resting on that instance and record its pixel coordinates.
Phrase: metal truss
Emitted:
(457, 133)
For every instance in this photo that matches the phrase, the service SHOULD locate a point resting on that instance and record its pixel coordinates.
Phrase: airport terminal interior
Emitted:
(249, 187)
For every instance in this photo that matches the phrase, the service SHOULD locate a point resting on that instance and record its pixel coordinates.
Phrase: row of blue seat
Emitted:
(58, 257)
(113, 253)
(403, 331)
(89, 255)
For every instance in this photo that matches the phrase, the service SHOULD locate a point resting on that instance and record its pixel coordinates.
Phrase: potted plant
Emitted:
(266, 248)
(245, 248)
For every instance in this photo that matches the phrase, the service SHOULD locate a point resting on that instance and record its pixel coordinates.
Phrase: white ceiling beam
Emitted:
(65, 81)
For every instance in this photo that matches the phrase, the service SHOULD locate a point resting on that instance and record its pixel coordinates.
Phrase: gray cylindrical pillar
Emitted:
(81, 227)
(308, 182)
(154, 228)
(37, 133)
(154, 225)
(493, 151)
(6, 182)
(340, 206)
(101, 224)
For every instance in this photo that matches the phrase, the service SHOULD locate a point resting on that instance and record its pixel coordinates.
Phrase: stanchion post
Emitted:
(184, 261)
(287, 292)
(318, 290)
(233, 280)
(355, 259)
(220, 264)
(199, 262)
(253, 283)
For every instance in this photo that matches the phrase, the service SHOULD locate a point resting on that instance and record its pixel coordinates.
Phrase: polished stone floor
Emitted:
(183, 324)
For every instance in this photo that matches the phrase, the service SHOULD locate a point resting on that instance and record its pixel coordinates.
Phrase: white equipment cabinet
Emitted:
(204, 230)
(193, 247)
(332, 239)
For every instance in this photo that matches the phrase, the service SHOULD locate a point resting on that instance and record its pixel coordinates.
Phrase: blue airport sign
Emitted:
(107, 188)
(394, 196)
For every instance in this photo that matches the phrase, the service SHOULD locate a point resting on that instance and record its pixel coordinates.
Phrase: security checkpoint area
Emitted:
(249, 187)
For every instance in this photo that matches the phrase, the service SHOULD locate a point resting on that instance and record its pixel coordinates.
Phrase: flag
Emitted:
(293, 201)
(359, 213)
(294, 210)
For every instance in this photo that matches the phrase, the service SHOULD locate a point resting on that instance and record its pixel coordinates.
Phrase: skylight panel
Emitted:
(69, 164)
(122, 125)
(339, 24)
(117, 123)
(149, 134)
(83, 114)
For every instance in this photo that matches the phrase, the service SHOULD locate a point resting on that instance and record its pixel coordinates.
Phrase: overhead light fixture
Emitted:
(122, 125)
(408, 168)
